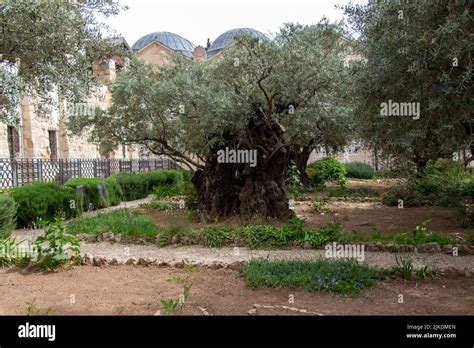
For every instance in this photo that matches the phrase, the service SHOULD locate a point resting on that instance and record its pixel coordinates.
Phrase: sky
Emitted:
(199, 20)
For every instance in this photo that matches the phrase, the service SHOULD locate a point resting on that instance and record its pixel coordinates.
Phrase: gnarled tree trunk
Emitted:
(227, 189)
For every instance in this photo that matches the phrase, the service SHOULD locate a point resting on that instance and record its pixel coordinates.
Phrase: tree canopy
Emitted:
(49, 46)
(415, 52)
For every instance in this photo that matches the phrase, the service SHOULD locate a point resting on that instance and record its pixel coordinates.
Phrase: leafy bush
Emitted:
(327, 169)
(443, 183)
(127, 222)
(133, 186)
(359, 170)
(293, 181)
(191, 197)
(61, 248)
(217, 237)
(7, 215)
(331, 232)
(101, 193)
(341, 276)
(162, 178)
(136, 186)
(43, 201)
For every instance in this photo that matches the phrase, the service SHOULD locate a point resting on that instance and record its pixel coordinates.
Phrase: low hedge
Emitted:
(43, 201)
(101, 193)
(139, 185)
(134, 186)
(7, 215)
(359, 170)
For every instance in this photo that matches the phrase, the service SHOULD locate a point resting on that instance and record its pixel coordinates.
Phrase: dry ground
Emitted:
(135, 290)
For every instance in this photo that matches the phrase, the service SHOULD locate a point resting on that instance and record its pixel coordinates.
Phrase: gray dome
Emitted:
(173, 41)
(225, 39)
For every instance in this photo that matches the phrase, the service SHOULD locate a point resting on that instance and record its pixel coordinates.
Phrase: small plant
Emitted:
(293, 181)
(404, 266)
(173, 306)
(320, 205)
(32, 309)
(61, 248)
(11, 253)
(425, 272)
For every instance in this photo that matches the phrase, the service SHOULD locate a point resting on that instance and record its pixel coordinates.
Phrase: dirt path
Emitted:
(136, 290)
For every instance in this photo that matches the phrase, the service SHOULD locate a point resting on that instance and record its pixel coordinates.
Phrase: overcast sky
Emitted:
(199, 20)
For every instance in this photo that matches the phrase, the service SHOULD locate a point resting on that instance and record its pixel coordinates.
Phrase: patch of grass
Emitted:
(340, 276)
(421, 234)
(127, 222)
(167, 191)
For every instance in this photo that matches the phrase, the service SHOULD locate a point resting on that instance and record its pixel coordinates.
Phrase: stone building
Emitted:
(49, 139)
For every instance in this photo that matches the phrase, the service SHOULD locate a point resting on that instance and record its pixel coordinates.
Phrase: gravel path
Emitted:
(228, 255)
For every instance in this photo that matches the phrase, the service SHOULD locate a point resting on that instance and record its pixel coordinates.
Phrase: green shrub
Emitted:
(43, 201)
(133, 186)
(443, 183)
(167, 191)
(420, 235)
(359, 170)
(191, 197)
(56, 247)
(101, 193)
(7, 215)
(331, 232)
(140, 185)
(327, 169)
(340, 276)
(217, 237)
(162, 178)
(127, 222)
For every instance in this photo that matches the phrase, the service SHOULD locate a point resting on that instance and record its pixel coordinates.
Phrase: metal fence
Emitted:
(17, 172)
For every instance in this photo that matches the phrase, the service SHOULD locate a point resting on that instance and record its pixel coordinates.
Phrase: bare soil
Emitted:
(135, 290)
(365, 216)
